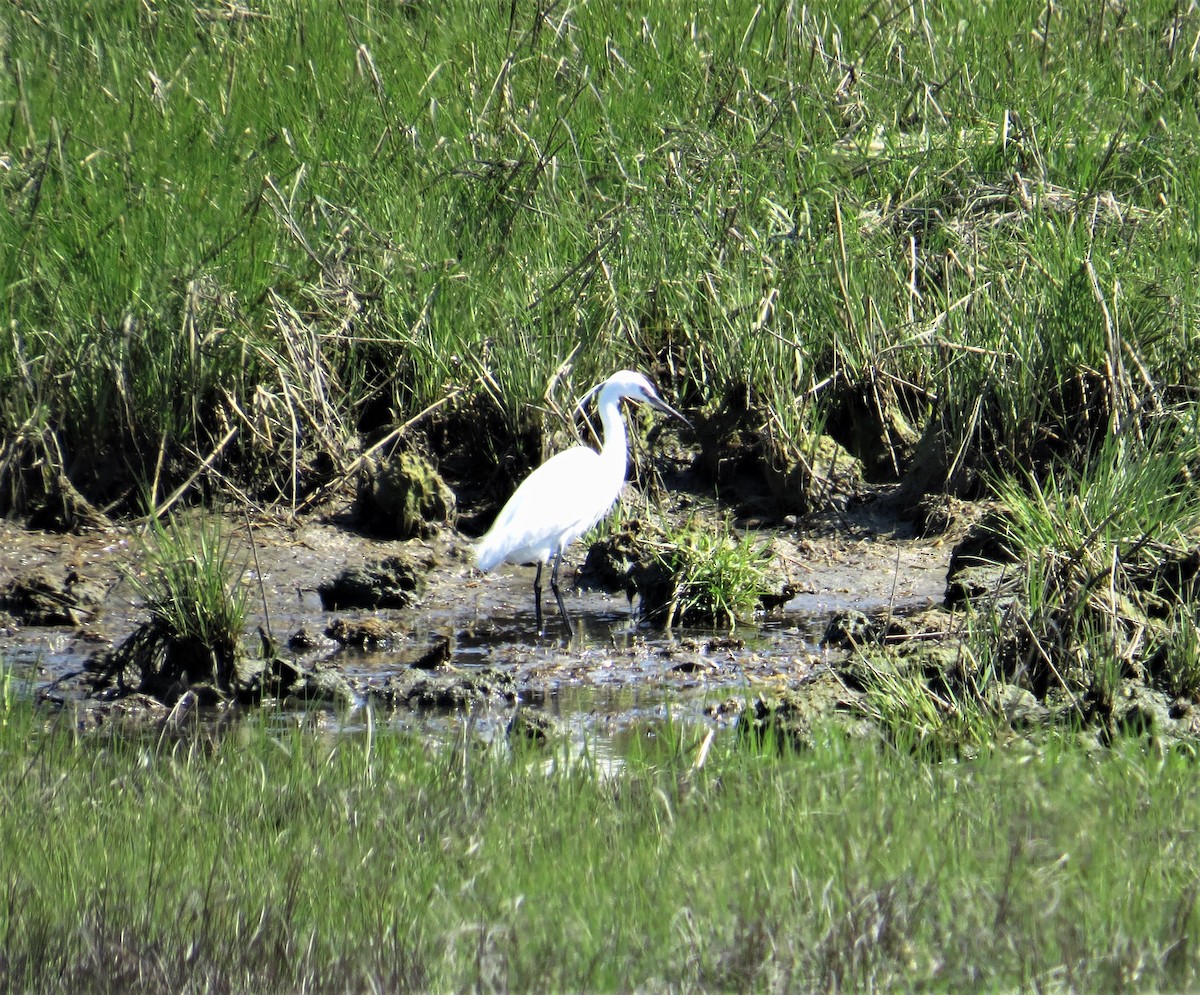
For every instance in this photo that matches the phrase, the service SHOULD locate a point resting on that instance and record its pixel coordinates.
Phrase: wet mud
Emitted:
(454, 648)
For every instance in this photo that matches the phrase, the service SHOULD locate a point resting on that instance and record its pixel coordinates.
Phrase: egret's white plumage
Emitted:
(569, 493)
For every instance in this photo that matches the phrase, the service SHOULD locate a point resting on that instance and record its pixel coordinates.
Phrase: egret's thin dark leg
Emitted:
(562, 609)
(537, 596)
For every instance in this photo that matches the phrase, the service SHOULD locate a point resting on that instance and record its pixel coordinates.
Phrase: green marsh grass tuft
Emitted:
(1178, 655)
(192, 589)
(716, 577)
(1108, 565)
(936, 720)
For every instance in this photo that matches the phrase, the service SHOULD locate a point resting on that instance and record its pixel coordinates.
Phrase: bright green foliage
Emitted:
(1109, 588)
(955, 719)
(718, 577)
(1073, 524)
(191, 585)
(1077, 526)
(1181, 652)
(313, 213)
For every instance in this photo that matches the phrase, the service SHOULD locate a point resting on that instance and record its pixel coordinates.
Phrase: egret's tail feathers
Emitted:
(487, 553)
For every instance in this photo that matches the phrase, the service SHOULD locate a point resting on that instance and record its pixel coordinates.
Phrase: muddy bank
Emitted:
(463, 628)
(870, 638)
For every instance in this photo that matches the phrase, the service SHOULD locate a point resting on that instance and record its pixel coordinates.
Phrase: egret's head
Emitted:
(636, 387)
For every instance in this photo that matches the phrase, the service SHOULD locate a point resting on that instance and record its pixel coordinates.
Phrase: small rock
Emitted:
(434, 654)
(532, 725)
(850, 628)
(305, 640)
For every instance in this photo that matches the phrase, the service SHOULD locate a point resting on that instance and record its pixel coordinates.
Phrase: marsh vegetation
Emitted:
(298, 258)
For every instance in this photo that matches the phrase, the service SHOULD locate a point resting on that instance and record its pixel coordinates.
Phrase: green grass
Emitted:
(717, 578)
(247, 240)
(306, 221)
(1108, 590)
(275, 860)
(191, 584)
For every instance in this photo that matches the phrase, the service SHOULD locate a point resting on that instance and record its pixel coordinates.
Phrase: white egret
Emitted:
(568, 494)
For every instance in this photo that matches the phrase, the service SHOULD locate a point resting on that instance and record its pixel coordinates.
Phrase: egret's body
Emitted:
(568, 494)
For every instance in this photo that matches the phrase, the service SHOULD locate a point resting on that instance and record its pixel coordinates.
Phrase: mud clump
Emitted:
(769, 476)
(819, 475)
(1021, 708)
(1107, 648)
(1105, 628)
(790, 719)
(394, 582)
(40, 598)
(287, 681)
(422, 691)
(784, 720)
(304, 640)
(154, 661)
(151, 671)
(436, 653)
(984, 565)
(532, 726)
(936, 514)
(878, 419)
(404, 498)
(941, 667)
(1173, 579)
(612, 564)
(365, 633)
(374, 633)
(852, 628)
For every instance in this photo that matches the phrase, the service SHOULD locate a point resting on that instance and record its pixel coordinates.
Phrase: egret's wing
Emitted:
(558, 501)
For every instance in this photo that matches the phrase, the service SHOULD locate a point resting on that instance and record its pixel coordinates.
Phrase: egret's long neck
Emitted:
(615, 451)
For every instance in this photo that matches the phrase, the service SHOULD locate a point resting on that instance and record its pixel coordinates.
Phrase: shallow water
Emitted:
(617, 679)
